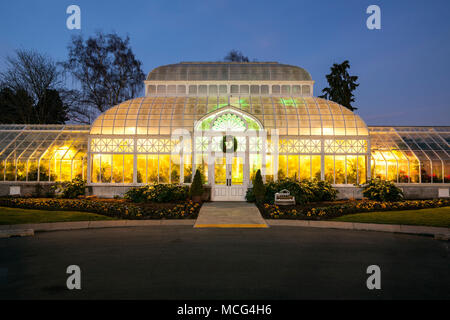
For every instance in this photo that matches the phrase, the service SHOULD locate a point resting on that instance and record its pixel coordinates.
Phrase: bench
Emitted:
(284, 198)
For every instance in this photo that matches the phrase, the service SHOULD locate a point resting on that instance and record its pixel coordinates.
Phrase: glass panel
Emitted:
(378, 166)
(362, 169)
(54, 171)
(77, 169)
(21, 171)
(141, 169)
(414, 170)
(293, 169)
(128, 168)
(32, 171)
(305, 167)
(201, 164)
(425, 171)
(329, 169)
(392, 167)
(95, 175)
(175, 169)
(187, 169)
(316, 167)
(437, 172)
(10, 171)
(152, 169)
(282, 167)
(106, 168)
(269, 168)
(43, 170)
(164, 165)
(339, 167)
(446, 171)
(351, 169)
(220, 172)
(118, 168)
(237, 171)
(255, 165)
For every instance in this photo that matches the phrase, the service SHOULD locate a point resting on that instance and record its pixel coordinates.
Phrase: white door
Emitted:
(229, 182)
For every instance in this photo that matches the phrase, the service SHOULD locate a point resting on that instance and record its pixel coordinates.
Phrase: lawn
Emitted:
(435, 217)
(20, 216)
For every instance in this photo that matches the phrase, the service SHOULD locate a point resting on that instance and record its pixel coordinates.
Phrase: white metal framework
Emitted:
(43, 153)
(227, 120)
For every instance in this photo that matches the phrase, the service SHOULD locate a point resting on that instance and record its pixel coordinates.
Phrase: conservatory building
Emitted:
(226, 120)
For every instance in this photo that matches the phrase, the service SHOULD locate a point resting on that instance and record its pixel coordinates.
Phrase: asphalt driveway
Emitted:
(180, 262)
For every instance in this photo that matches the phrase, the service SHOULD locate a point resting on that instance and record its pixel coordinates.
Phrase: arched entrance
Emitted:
(228, 151)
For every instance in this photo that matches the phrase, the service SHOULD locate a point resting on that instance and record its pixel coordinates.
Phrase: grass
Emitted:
(21, 216)
(434, 217)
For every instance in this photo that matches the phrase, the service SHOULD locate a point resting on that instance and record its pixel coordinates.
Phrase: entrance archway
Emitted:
(227, 148)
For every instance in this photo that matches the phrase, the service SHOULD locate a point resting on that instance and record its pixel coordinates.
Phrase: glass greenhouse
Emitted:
(227, 120)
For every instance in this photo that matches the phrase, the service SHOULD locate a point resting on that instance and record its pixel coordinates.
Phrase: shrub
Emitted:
(250, 196)
(116, 209)
(382, 190)
(259, 189)
(197, 185)
(137, 194)
(304, 191)
(322, 190)
(158, 193)
(73, 189)
(271, 211)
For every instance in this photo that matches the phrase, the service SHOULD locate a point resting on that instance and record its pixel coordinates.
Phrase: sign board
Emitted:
(14, 190)
(443, 193)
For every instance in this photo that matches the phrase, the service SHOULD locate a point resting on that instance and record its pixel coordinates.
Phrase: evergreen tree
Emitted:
(341, 85)
(197, 185)
(259, 190)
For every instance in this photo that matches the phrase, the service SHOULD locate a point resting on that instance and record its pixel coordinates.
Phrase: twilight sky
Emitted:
(403, 69)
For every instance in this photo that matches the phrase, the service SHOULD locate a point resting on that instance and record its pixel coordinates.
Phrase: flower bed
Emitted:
(324, 212)
(113, 208)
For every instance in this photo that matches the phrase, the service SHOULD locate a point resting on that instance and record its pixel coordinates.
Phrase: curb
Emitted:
(16, 233)
(62, 226)
(438, 232)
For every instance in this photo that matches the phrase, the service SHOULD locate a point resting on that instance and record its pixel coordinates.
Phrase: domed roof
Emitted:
(229, 71)
(306, 116)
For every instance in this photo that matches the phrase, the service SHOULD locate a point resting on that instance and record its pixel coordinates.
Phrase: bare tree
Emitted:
(106, 71)
(31, 71)
(30, 88)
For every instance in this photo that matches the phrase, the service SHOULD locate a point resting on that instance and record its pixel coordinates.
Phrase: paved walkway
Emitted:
(229, 215)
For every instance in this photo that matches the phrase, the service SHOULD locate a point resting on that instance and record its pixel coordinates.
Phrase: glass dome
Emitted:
(224, 71)
(294, 116)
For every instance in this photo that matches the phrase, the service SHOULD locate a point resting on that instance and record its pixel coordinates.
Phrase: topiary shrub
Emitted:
(73, 189)
(197, 185)
(382, 190)
(259, 190)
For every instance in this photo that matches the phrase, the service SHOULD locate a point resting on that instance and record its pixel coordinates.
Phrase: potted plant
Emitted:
(197, 187)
